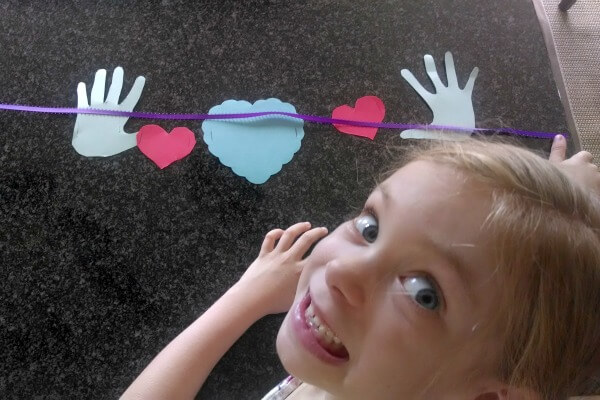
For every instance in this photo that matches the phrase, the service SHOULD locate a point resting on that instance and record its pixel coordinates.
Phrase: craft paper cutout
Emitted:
(103, 136)
(254, 148)
(450, 104)
(367, 108)
(165, 148)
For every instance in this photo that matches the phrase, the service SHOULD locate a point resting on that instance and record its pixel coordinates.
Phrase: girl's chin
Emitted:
(288, 354)
(294, 362)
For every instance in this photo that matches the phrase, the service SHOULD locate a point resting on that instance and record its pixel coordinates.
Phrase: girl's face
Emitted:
(387, 304)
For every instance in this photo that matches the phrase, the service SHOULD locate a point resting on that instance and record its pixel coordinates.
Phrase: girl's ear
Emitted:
(488, 396)
(504, 392)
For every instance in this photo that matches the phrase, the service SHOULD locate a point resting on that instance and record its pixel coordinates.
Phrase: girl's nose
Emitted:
(349, 280)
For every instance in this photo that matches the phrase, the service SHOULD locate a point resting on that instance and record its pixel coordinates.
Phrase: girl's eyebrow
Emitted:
(384, 191)
(457, 265)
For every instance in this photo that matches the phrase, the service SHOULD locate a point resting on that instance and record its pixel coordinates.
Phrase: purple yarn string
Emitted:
(304, 117)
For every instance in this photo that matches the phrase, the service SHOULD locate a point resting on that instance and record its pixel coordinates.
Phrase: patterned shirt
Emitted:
(284, 389)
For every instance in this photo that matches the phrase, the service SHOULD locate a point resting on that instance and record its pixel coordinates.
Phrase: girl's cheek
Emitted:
(322, 252)
(329, 247)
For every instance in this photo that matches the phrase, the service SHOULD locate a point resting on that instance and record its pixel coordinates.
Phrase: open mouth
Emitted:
(324, 335)
(316, 335)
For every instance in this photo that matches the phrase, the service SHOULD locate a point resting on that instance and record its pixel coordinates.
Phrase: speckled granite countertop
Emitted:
(103, 261)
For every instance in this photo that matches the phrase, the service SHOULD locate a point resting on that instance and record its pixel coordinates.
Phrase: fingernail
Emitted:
(559, 138)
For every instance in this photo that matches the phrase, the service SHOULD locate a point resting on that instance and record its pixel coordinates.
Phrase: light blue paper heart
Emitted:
(254, 148)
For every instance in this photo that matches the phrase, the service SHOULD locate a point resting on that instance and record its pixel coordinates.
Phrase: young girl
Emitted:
(473, 272)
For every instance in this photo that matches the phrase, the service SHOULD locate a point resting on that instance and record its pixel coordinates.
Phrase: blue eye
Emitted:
(422, 291)
(367, 226)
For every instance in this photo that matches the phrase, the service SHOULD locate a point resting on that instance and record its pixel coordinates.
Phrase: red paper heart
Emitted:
(367, 108)
(165, 148)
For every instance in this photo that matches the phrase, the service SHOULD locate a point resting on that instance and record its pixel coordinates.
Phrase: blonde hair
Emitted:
(548, 255)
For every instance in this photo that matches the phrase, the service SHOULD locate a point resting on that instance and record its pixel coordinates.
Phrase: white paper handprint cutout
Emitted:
(451, 105)
(102, 135)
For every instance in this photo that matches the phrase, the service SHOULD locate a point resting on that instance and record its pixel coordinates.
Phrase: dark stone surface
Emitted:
(104, 261)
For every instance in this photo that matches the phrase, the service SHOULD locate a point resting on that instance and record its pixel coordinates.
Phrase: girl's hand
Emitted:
(268, 286)
(272, 278)
(579, 167)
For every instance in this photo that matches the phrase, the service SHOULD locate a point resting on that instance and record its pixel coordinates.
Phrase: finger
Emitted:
(134, 94)
(97, 96)
(82, 100)
(116, 84)
(471, 82)
(450, 70)
(412, 81)
(291, 234)
(584, 156)
(432, 72)
(308, 239)
(269, 241)
(558, 152)
(421, 134)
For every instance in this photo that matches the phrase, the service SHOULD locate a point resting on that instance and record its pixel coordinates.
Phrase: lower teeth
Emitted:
(331, 343)
(323, 333)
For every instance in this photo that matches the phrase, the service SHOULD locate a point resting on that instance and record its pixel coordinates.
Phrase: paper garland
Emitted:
(367, 108)
(256, 140)
(103, 137)
(254, 148)
(165, 148)
(450, 104)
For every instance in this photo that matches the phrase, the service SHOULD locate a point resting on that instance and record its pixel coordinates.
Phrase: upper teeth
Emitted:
(319, 327)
